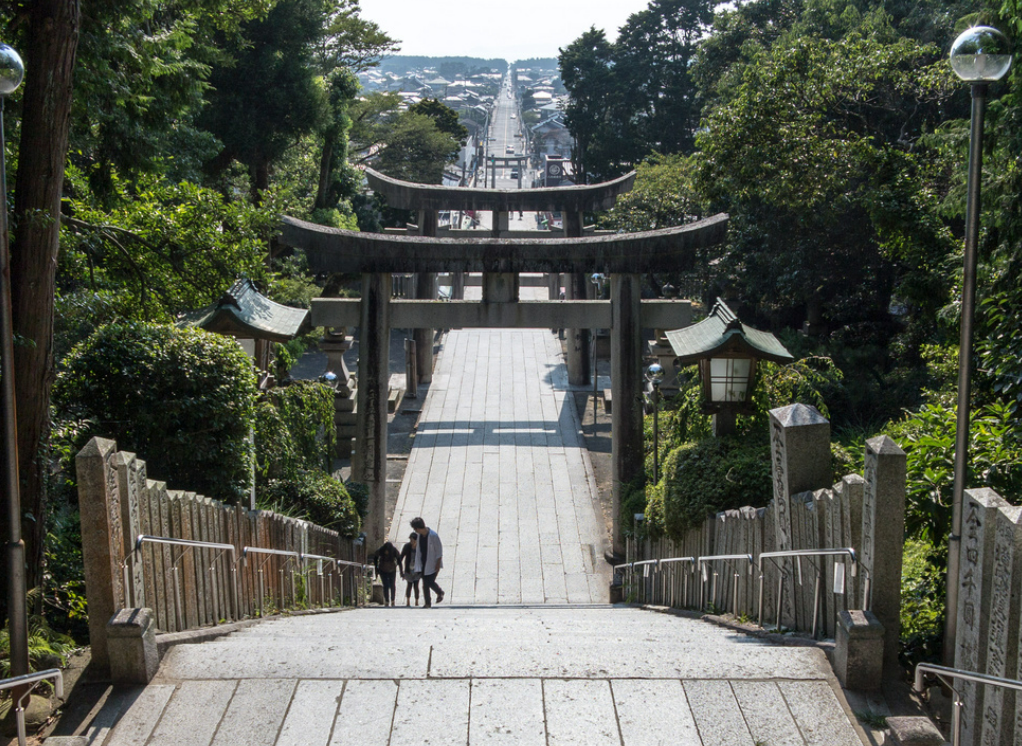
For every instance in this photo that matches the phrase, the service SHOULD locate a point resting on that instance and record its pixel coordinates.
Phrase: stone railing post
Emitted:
(883, 537)
(102, 540)
(130, 483)
(800, 455)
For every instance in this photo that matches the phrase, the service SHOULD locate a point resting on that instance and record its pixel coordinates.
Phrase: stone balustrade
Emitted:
(864, 513)
(191, 587)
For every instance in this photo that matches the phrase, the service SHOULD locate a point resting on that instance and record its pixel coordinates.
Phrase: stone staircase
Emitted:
(545, 675)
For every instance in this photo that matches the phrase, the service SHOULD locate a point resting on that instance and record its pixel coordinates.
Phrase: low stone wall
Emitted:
(118, 503)
(864, 513)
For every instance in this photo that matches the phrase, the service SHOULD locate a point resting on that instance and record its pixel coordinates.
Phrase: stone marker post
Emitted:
(1003, 615)
(373, 377)
(100, 508)
(800, 448)
(978, 547)
(626, 386)
(883, 538)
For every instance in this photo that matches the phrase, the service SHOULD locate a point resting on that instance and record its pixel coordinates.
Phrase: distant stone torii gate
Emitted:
(519, 162)
(624, 257)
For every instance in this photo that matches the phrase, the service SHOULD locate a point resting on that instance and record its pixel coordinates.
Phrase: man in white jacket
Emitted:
(429, 559)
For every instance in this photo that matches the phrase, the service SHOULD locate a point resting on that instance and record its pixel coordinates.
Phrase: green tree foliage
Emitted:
(810, 156)
(265, 97)
(416, 149)
(445, 117)
(587, 69)
(295, 431)
(634, 96)
(663, 196)
(181, 399)
(164, 247)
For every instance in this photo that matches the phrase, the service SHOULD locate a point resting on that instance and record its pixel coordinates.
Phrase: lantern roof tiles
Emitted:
(721, 334)
(246, 313)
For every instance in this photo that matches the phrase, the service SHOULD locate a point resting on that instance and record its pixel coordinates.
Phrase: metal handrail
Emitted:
(246, 550)
(798, 554)
(31, 679)
(633, 565)
(188, 544)
(948, 675)
(713, 586)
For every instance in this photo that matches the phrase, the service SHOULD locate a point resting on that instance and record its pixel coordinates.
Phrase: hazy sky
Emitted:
(515, 29)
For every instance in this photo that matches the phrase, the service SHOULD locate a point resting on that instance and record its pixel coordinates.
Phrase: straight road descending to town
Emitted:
(499, 469)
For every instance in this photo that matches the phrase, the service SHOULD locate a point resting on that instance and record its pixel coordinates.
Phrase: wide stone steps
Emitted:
(481, 675)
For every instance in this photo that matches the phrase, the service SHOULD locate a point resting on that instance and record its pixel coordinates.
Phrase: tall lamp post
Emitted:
(980, 55)
(12, 70)
(655, 374)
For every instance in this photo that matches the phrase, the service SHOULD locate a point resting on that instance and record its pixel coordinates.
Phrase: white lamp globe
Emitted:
(981, 54)
(12, 70)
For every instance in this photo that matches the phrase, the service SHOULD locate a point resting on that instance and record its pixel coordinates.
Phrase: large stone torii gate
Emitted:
(624, 257)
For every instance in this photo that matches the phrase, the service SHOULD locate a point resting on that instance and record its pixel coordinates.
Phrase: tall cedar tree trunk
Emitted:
(46, 108)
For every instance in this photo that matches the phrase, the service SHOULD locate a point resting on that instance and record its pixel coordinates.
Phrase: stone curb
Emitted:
(776, 638)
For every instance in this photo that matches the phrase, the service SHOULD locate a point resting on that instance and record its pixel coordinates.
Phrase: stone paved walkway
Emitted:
(500, 470)
(545, 675)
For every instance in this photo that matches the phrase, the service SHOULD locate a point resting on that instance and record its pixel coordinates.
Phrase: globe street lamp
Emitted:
(12, 71)
(979, 56)
(655, 374)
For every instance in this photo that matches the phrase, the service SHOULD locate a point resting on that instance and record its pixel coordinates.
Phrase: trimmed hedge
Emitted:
(183, 399)
(316, 497)
(703, 478)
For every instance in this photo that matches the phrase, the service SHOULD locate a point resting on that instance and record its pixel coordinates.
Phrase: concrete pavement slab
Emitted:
(256, 713)
(766, 713)
(366, 714)
(654, 713)
(528, 474)
(431, 712)
(717, 715)
(580, 713)
(818, 713)
(507, 712)
(311, 716)
(140, 720)
(194, 712)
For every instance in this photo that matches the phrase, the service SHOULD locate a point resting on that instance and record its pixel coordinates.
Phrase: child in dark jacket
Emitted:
(386, 560)
(408, 569)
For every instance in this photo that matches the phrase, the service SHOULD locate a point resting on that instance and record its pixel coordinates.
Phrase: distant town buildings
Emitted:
(471, 94)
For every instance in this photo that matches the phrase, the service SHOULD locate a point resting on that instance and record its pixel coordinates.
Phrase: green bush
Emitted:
(360, 494)
(316, 497)
(702, 478)
(922, 604)
(295, 431)
(182, 399)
